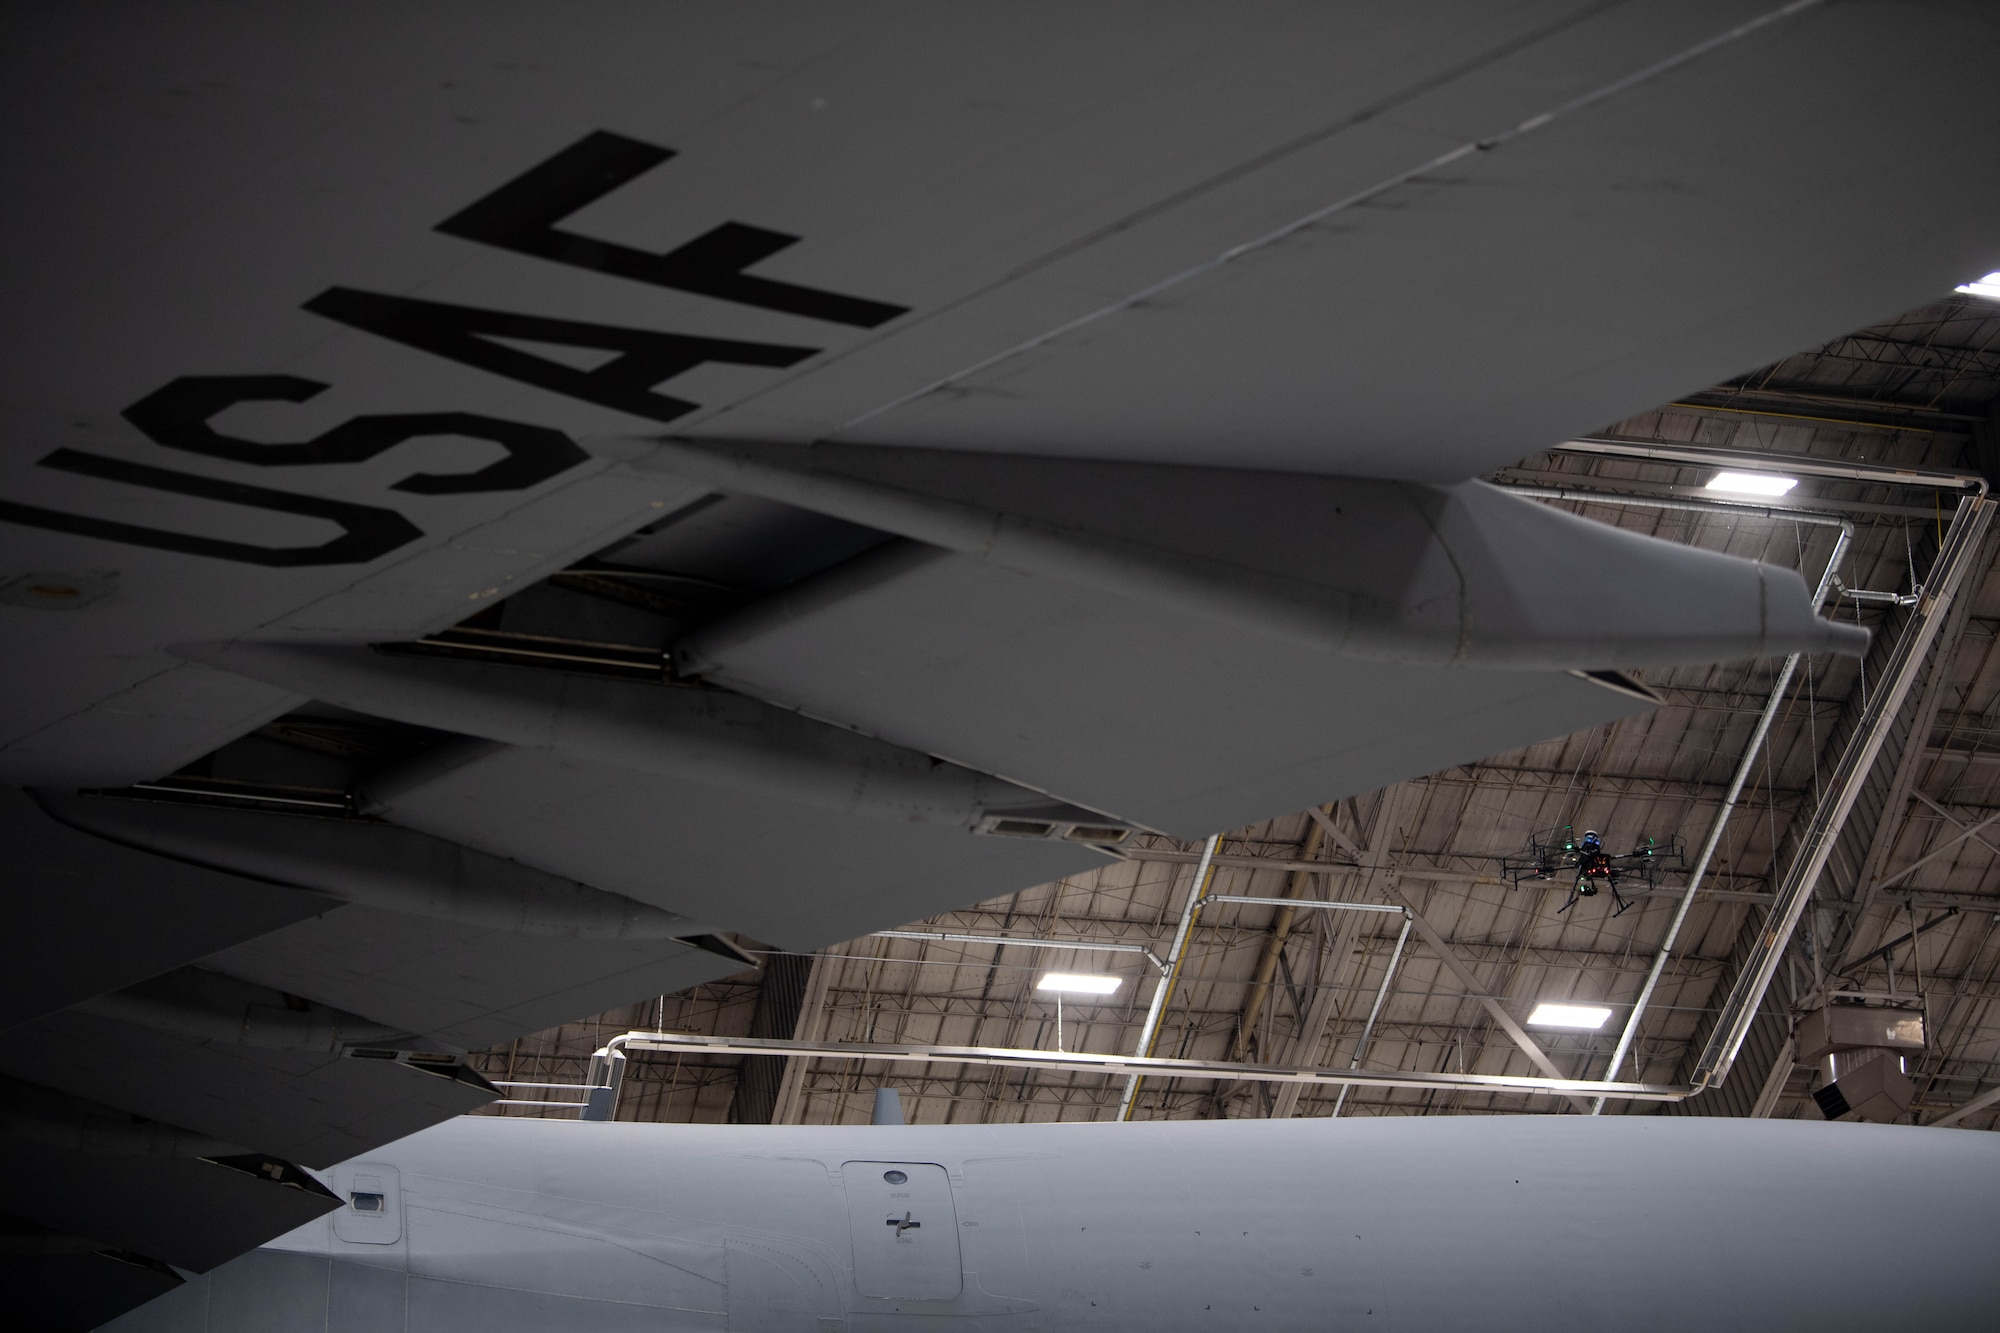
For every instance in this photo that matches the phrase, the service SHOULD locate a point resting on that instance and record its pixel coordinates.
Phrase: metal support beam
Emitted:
(1954, 820)
(1378, 860)
(1948, 755)
(1774, 1082)
(1885, 950)
(1235, 862)
(1306, 1039)
(1324, 818)
(1232, 861)
(1977, 1104)
(1739, 1010)
(1965, 831)
(1903, 784)
(1274, 943)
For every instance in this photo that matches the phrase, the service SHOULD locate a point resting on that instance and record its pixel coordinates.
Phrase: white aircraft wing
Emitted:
(497, 502)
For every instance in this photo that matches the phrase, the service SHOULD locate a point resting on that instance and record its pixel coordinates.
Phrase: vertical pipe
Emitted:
(606, 1077)
(1368, 1028)
(1150, 1031)
(1744, 767)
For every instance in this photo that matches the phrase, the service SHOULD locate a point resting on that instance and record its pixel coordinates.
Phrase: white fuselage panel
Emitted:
(1545, 1223)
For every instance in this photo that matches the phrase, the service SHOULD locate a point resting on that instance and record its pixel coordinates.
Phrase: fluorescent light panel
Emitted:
(1988, 287)
(1583, 1017)
(1752, 483)
(1078, 983)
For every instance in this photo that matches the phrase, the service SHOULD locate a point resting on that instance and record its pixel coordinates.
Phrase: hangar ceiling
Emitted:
(1910, 902)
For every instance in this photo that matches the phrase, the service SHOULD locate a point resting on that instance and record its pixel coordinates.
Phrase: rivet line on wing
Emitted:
(1280, 233)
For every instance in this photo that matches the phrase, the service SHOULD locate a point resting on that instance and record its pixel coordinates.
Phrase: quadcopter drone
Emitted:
(1590, 866)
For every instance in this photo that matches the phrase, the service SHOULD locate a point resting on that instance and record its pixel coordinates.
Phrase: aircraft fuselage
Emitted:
(1450, 1223)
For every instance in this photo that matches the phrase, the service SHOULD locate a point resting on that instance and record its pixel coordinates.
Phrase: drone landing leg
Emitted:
(1619, 898)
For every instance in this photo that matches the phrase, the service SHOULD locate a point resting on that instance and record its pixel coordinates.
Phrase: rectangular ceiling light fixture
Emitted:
(1078, 983)
(1582, 1017)
(1988, 287)
(1752, 483)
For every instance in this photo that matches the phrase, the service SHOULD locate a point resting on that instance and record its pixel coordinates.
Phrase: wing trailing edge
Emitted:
(714, 737)
(380, 865)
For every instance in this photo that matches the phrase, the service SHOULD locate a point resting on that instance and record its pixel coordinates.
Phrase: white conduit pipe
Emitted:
(1368, 1028)
(1164, 987)
(1308, 903)
(1090, 1063)
(1744, 767)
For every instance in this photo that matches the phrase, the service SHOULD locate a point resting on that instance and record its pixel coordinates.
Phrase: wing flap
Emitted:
(314, 1108)
(793, 875)
(85, 916)
(182, 1211)
(1166, 720)
(82, 1287)
(459, 985)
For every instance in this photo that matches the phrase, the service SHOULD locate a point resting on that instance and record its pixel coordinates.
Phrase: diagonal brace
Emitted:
(1471, 982)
